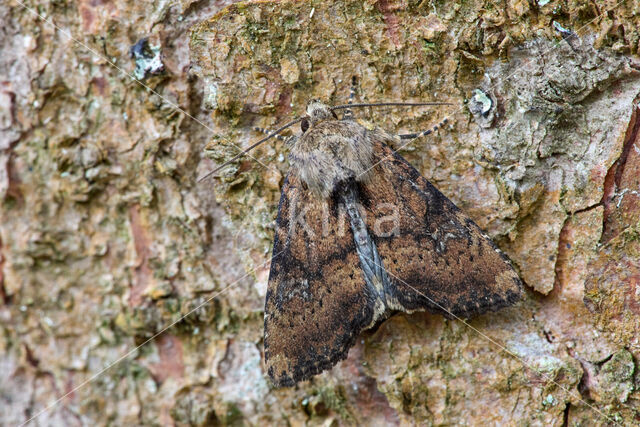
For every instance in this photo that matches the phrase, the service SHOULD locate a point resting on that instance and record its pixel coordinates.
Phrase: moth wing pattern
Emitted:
(438, 259)
(307, 329)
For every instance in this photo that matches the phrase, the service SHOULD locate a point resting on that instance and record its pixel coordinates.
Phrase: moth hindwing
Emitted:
(361, 234)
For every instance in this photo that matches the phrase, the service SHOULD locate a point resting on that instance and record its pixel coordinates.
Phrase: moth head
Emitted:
(317, 111)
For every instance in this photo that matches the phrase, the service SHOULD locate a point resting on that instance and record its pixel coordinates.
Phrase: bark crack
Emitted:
(614, 176)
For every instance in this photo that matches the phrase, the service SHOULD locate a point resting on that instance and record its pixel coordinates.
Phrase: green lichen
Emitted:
(332, 397)
(615, 379)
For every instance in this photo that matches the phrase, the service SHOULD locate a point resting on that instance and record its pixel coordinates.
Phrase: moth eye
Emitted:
(304, 125)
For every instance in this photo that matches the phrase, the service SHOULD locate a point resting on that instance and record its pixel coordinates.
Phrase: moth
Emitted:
(360, 235)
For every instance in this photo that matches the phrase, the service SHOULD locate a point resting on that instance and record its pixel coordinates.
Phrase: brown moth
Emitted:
(360, 235)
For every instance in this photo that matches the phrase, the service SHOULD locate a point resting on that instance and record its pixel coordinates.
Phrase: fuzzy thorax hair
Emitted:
(331, 151)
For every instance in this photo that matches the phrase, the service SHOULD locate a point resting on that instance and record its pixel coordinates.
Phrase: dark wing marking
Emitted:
(317, 301)
(438, 259)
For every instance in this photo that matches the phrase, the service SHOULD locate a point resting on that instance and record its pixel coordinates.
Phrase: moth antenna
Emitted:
(266, 132)
(426, 132)
(251, 147)
(352, 95)
(388, 104)
(337, 107)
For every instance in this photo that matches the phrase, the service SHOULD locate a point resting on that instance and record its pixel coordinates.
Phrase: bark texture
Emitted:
(106, 238)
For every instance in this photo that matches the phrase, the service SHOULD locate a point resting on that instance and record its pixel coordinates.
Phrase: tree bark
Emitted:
(132, 294)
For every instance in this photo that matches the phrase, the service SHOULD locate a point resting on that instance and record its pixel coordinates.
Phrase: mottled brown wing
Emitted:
(438, 258)
(317, 301)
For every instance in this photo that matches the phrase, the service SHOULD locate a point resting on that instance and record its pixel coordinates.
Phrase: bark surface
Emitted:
(107, 241)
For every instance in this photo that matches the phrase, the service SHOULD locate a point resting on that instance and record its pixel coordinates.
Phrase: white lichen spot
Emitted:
(151, 385)
(210, 99)
(549, 401)
(483, 100)
(148, 59)
(29, 42)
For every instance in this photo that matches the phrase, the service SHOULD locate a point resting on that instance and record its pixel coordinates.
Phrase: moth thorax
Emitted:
(332, 153)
